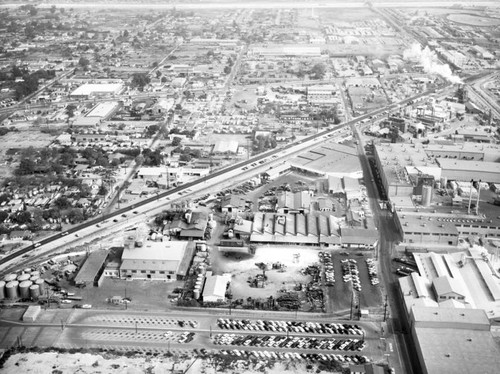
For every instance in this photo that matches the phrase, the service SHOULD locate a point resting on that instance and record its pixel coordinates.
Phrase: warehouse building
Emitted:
(88, 90)
(165, 261)
(91, 272)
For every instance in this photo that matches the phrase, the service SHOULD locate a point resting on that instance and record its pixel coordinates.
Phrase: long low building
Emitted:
(465, 170)
(166, 261)
(92, 268)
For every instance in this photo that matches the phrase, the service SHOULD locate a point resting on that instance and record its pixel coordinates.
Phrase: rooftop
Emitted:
(91, 266)
(330, 159)
(450, 351)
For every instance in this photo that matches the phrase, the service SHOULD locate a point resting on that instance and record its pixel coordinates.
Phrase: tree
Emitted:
(176, 141)
(318, 71)
(62, 202)
(26, 166)
(227, 69)
(84, 62)
(75, 215)
(53, 9)
(3, 215)
(103, 191)
(23, 217)
(140, 80)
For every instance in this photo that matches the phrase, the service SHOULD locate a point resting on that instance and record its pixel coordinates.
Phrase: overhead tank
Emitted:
(2, 290)
(24, 289)
(41, 284)
(11, 290)
(34, 278)
(23, 277)
(426, 195)
(34, 291)
(10, 277)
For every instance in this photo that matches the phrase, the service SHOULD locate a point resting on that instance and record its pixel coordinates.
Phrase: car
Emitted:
(66, 301)
(64, 233)
(124, 215)
(86, 306)
(37, 245)
(135, 212)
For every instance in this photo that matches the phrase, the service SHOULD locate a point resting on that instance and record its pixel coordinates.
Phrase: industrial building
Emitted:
(329, 159)
(215, 287)
(88, 90)
(91, 272)
(451, 340)
(165, 261)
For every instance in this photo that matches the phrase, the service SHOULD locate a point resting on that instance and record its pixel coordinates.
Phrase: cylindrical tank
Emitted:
(34, 291)
(10, 277)
(196, 294)
(35, 273)
(2, 290)
(27, 270)
(438, 184)
(23, 277)
(34, 278)
(41, 283)
(11, 290)
(426, 195)
(24, 289)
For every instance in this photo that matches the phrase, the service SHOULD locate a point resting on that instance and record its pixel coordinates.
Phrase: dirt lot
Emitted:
(27, 136)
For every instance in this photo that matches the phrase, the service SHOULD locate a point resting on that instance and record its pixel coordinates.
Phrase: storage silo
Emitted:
(35, 273)
(10, 277)
(426, 195)
(34, 291)
(2, 290)
(11, 290)
(23, 277)
(24, 289)
(41, 284)
(196, 293)
(34, 278)
(27, 270)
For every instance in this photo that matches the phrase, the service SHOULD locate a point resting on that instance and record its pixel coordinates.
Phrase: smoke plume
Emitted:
(429, 60)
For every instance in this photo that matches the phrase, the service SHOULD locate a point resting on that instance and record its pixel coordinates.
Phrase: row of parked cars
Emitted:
(295, 342)
(290, 326)
(295, 356)
(186, 337)
(326, 259)
(372, 271)
(351, 273)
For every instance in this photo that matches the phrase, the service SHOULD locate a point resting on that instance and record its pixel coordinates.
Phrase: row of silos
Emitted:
(22, 286)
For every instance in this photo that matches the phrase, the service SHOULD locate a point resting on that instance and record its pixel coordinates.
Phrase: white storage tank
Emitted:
(23, 277)
(426, 195)
(10, 277)
(196, 293)
(35, 273)
(34, 291)
(34, 278)
(24, 289)
(11, 290)
(41, 284)
(2, 290)
(27, 270)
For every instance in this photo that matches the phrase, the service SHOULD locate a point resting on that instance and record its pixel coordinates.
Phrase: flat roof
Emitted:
(91, 266)
(451, 351)
(90, 88)
(415, 224)
(330, 158)
(160, 251)
(103, 109)
(451, 315)
(468, 165)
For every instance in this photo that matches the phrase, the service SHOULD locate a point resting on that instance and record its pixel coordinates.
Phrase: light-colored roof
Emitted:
(469, 166)
(351, 184)
(358, 236)
(90, 88)
(103, 109)
(215, 286)
(452, 351)
(226, 146)
(466, 317)
(445, 285)
(157, 251)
